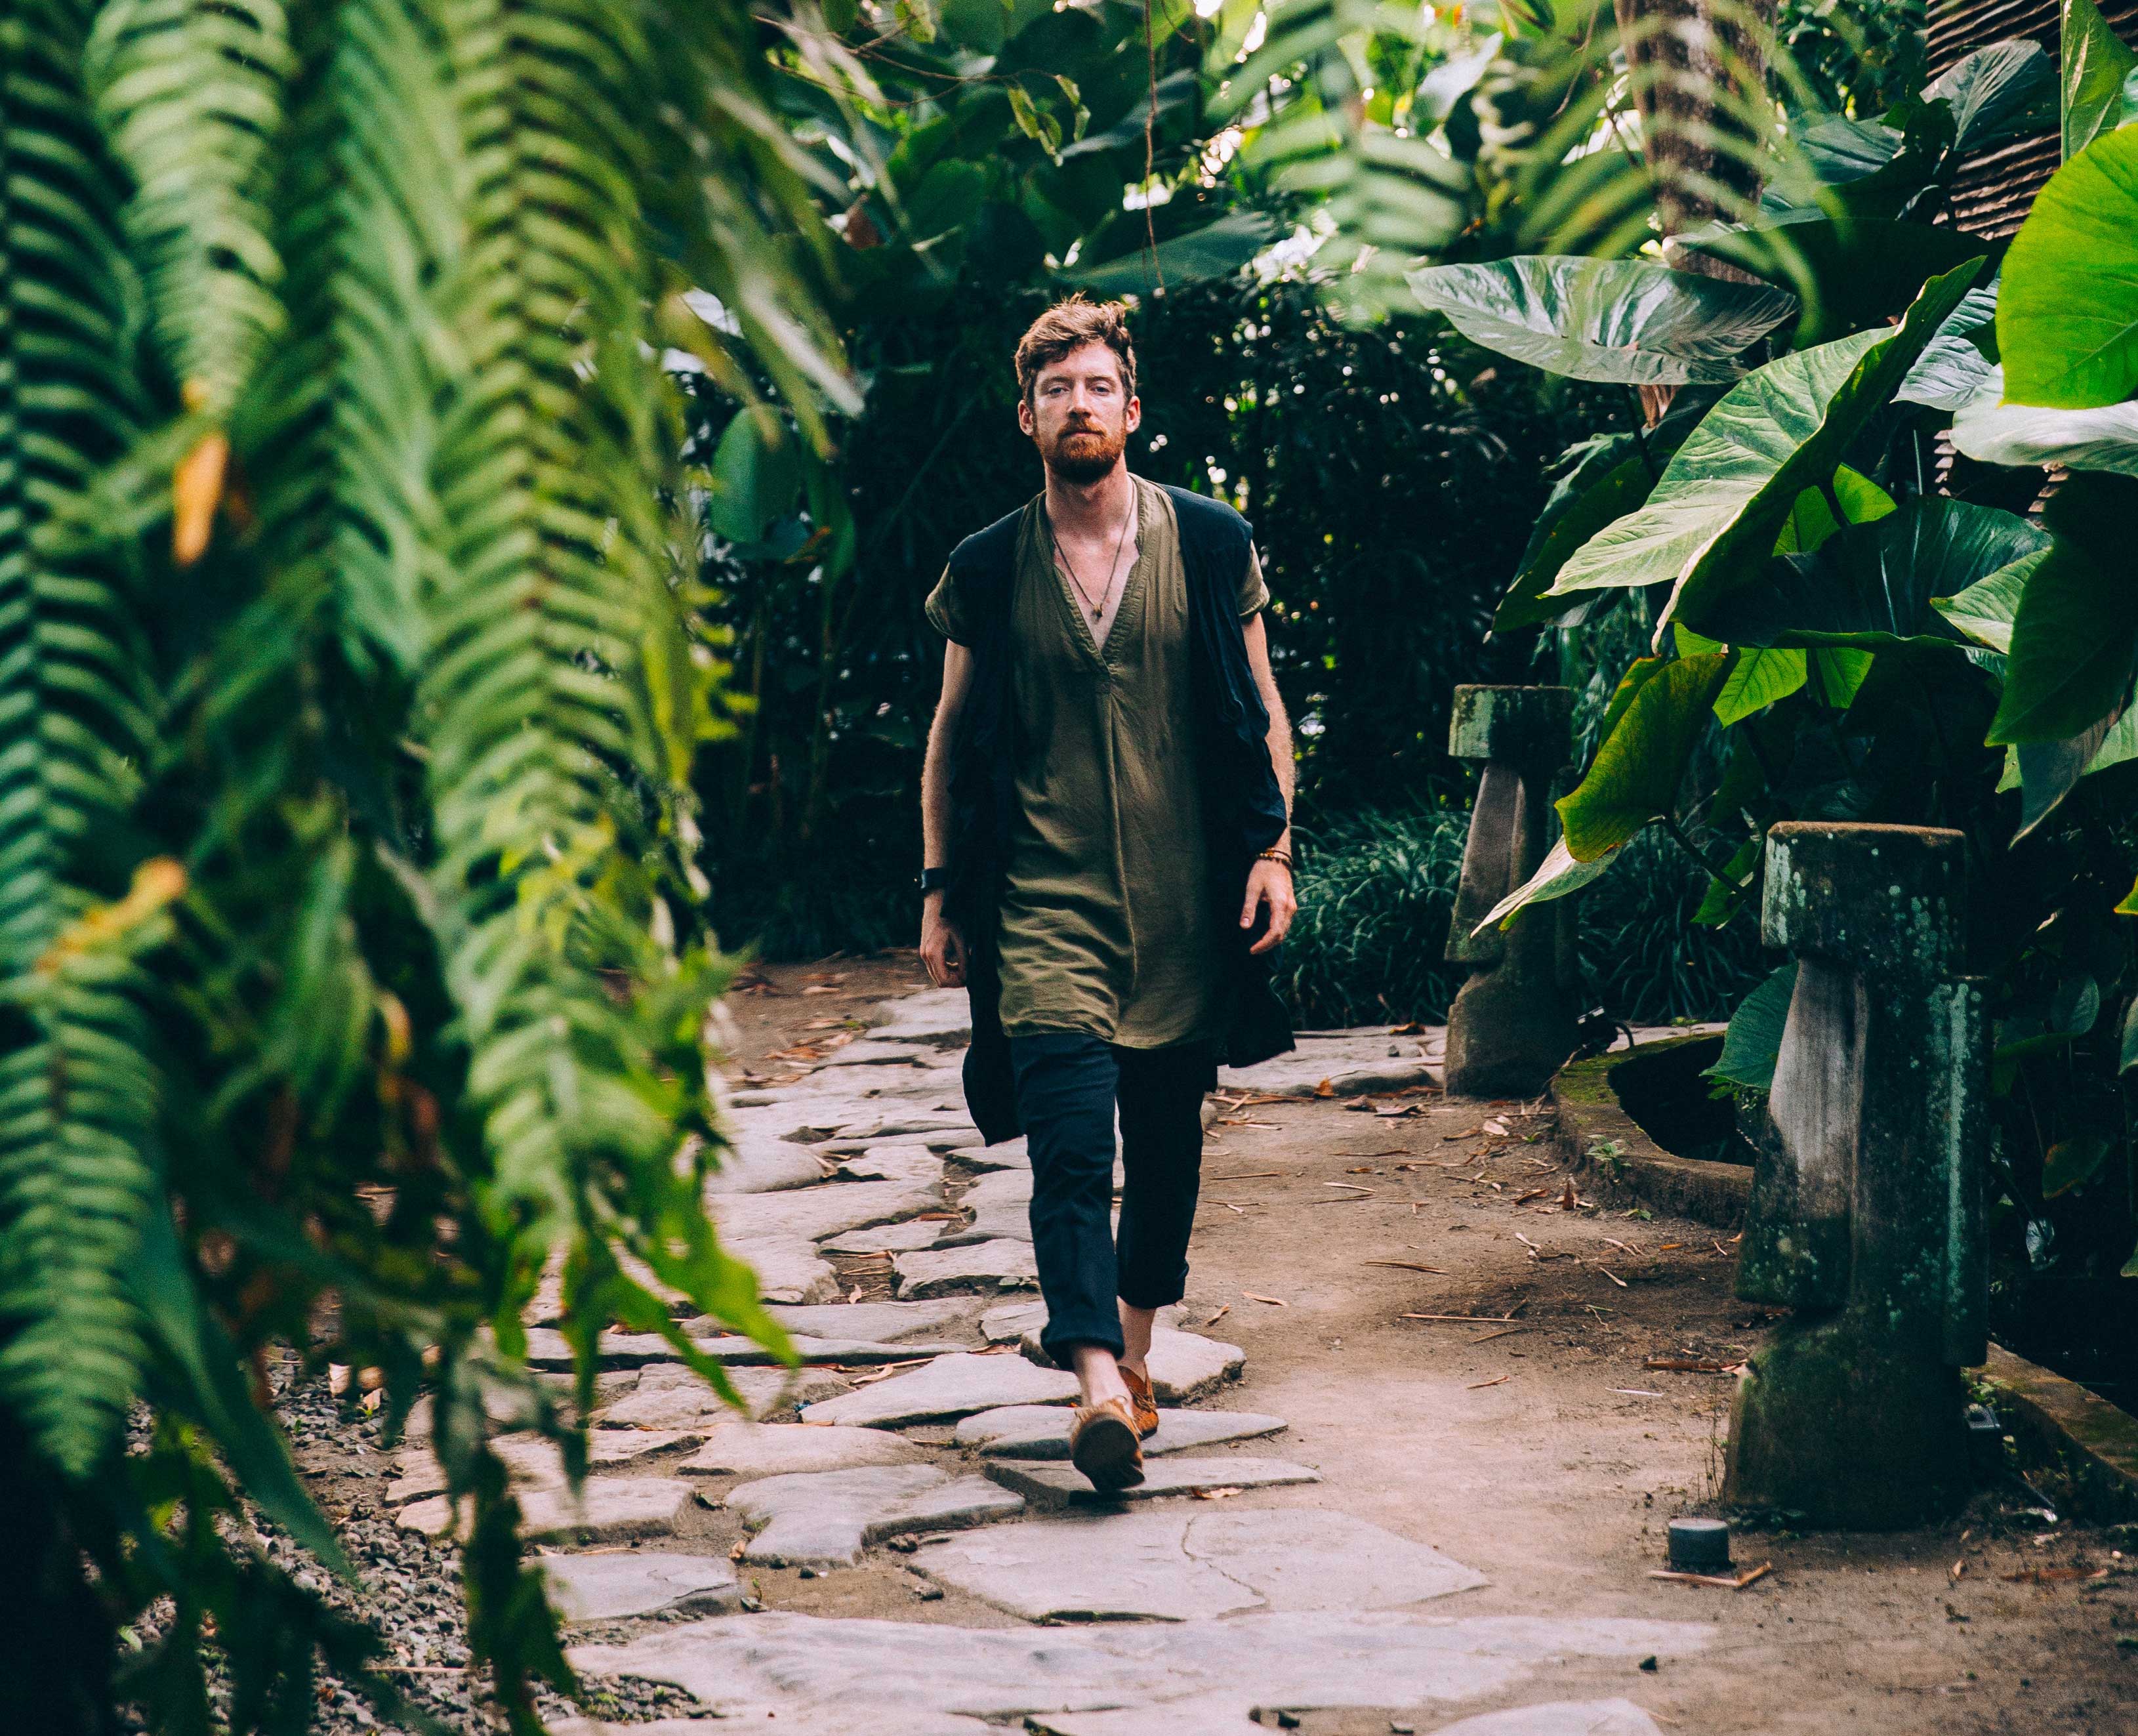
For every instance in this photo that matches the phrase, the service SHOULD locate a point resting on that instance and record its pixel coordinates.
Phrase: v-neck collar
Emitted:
(1132, 582)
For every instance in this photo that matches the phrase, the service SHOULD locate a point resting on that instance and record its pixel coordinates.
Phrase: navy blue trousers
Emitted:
(1067, 1085)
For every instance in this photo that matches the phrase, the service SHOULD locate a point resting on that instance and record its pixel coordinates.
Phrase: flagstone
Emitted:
(881, 1320)
(781, 1449)
(1012, 1321)
(826, 1518)
(1560, 1718)
(942, 1016)
(1094, 1567)
(812, 1213)
(1351, 1063)
(948, 1388)
(1001, 1205)
(1049, 1485)
(670, 1396)
(788, 1269)
(891, 1237)
(603, 1510)
(639, 1582)
(531, 1460)
(1001, 1264)
(1303, 1661)
(1041, 1431)
(1217, 1715)
(759, 1166)
(1008, 1154)
(905, 1162)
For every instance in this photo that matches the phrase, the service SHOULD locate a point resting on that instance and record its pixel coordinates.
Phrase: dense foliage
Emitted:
(351, 969)
(1842, 637)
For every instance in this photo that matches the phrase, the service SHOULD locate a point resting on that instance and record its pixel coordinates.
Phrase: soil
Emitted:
(1529, 1439)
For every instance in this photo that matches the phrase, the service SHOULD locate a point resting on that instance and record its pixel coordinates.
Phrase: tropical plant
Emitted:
(352, 974)
(1832, 636)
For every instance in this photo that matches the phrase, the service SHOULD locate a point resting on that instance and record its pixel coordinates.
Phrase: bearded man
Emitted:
(1106, 810)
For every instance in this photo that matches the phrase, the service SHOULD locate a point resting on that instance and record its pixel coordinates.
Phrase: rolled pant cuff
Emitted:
(1058, 1338)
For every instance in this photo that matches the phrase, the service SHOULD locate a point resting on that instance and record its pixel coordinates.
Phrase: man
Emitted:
(1106, 815)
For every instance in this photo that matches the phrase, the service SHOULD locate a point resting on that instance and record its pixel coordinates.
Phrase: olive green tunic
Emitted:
(1107, 922)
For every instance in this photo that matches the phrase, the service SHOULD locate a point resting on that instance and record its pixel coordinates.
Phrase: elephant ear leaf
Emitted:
(1617, 321)
(1873, 586)
(1997, 93)
(1636, 774)
(1714, 516)
(2068, 311)
(1753, 1041)
(2096, 63)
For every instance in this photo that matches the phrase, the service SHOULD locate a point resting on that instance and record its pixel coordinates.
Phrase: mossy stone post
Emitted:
(1512, 1022)
(1865, 1214)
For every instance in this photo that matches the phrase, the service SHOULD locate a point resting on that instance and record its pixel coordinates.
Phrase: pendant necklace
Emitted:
(1099, 608)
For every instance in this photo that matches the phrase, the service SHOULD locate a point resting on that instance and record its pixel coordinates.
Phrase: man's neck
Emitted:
(1090, 508)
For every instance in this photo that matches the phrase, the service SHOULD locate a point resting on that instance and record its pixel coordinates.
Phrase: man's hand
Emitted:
(1269, 882)
(942, 947)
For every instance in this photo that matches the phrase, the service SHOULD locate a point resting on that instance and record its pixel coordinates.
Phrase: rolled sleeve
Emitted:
(1254, 594)
(945, 610)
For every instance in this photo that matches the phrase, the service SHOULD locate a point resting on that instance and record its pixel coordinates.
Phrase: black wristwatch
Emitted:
(933, 880)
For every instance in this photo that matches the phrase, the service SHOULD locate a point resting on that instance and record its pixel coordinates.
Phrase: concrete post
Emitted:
(1512, 1024)
(1865, 1215)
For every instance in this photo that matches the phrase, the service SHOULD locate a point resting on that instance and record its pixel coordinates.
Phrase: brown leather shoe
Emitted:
(1103, 1444)
(1141, 1402)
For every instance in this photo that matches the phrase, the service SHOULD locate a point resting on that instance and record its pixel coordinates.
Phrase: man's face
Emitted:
(1079, 414)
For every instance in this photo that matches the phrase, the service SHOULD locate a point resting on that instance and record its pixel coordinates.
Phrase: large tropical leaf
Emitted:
(1642, 761)
(2075, 637)
(1850, 272)
(1216, 250)
(2068, 314)
(1997, 433)
(2096, 62)
(1985, 610)
(1713, 518)
(1557, 876)
(1997, 93)
(1624, 322)
(1953, 371)
(1753, 1041)
(1872, 585)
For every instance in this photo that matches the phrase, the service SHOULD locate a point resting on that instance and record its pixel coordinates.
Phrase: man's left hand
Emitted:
(1270, 883)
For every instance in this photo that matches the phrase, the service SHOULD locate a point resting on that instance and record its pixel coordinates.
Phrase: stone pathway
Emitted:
(918, 1433)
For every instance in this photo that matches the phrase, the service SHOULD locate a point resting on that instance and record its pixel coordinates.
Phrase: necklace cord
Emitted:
(1099, 608)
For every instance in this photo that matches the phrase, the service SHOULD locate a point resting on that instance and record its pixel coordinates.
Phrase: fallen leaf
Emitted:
(1636, 1392)
(1324, 1089)
(1614, 1277)
(1497, 1128)
(1275, 1302)
(820, 988)
(1569, 1199)
(1253, 1175)
(1474, 1385)
(1689, 1365)
(1216, 1318)
(1217, 1494)
(1957, 1568)
(1409, 1265)
(1534, 1193)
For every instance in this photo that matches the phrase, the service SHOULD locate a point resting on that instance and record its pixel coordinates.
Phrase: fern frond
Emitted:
(78, 1091)
(190, 92)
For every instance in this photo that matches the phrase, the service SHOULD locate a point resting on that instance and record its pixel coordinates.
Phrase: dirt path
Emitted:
(1492, 1490)
(1532, 1449)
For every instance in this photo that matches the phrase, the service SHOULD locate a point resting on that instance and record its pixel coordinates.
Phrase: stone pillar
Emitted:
(1512, 1024)
(1866, 1215)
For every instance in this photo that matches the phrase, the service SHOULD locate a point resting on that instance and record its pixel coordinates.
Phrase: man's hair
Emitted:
(1067, 327)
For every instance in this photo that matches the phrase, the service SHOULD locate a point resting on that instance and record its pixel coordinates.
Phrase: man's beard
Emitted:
(1084, 455)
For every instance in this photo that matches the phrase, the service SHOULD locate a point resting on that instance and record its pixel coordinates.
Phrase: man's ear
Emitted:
(1024, 417)
(1133, 419)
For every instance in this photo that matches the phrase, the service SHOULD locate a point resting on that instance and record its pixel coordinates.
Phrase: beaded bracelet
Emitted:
(1283, 856)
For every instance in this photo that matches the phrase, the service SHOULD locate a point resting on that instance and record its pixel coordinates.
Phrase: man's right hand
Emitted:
(942, 947)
